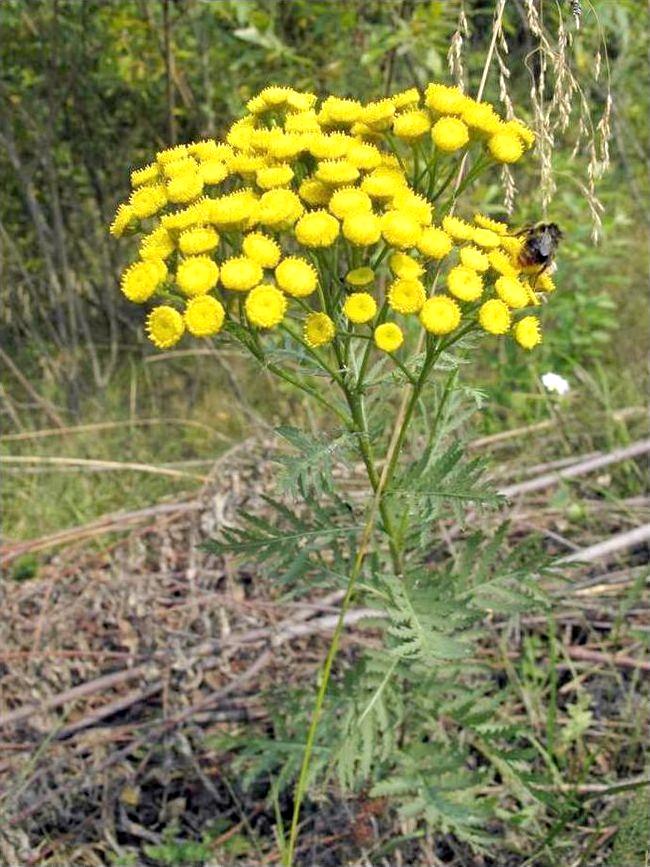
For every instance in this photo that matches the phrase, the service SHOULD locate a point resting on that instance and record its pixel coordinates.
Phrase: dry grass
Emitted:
(121, 665)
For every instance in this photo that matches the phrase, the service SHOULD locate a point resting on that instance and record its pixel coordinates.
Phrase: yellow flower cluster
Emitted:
(309, 212)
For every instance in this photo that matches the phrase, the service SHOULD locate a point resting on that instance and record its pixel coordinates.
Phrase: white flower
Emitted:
(556, 383)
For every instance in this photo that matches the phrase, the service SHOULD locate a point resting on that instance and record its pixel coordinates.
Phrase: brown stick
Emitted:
(589, 466)
(620, 660)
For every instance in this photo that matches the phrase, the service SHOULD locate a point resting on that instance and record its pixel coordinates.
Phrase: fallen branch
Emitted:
(580, 469)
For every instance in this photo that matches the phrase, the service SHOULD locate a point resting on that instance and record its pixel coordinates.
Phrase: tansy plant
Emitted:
(326, 240)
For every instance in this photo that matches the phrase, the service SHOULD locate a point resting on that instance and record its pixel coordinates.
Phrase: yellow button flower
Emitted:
(440, 314)
(123, 217)
(199, 240)
(165, 326)
(545, 283)
(378, 114)
(364, 155)
(405, 98)
(140, 280)
(404, 266)
(158, 244)
(296, 276)
(349, 200)
(527, 332)
(411, 203)
(512, 291)
(474, 258)
(444, 99)
(332, 146)
(383, 183)
(362, 229)
(464, 284)
(400, 229)
(269, 177)
(240, 273)
(197, 275)
(317, 229)
(337, 172)
(145, 175)
(458, 229)
(449, 134)
(213, 172)
(488, 223)
(411, 125)
(279, 208)
(182, 166)
(360, 307)
(265, 306)
(147, 201)
(505, 147)
(319, 330)
(388, 337)
(434, 243)
(315, 192)
(338, 110)
(524, 132)
(406, 296)
(360, 277)
(185, 188)
(502, 263)
(481, 117)
(204, 316)
(261, 249)
(170, 154)
(204, 150)
(494, 316)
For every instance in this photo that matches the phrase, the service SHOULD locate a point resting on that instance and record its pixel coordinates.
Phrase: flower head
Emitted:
(457, 228)
(445, 100)
(360, 307)
(319, 330)
(196, 275)
(404, 266)
(269, 177)
(464, 284)
(555, 383)
(261, 249)
(146, 175)
(434, 243)
(363, 155)
(279, 208)
(505, 147)
(487, 223)
(502, 263)
(362, 228)
(411, 125)
(400, 229)
(406, 296)
(337, 172)
(147, 201)
(474, 258)
(296, 276)
(157, 244)
(349, 200)
(383, 182)
(204, 316)
(388, 337)
(140, 280)
(184, 187)
(417, 206)
(485, 238)
(494, 316)
(440, 314)
(449, 134)
(527, 332)
(201, 239)
(317, 229)
(512, 291)
(165, 326)
(360, 277)
(123, 217)
(315, 192)
(239, 273)
(265, 306)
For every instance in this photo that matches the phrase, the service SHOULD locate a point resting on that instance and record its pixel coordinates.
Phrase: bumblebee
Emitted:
(540, 245)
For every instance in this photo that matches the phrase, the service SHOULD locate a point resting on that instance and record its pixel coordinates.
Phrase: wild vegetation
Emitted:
(168, 726)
